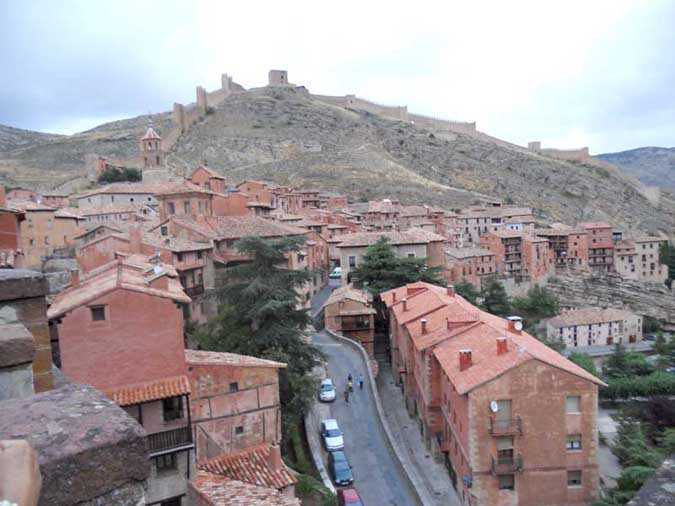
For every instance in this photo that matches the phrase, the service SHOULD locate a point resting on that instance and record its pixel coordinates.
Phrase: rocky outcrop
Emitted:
(579, 290)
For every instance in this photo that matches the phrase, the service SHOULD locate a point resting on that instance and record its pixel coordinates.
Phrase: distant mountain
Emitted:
(651, 165)
(12, 138)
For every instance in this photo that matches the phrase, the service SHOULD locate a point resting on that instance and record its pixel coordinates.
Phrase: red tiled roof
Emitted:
(410, 236)
(251, 466)
(217, 490)
(210, 172)
(149, 390)
(196, 357)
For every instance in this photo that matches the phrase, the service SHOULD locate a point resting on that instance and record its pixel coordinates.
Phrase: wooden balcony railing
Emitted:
(169, 439)
(507, 465)
(194, 290)
(506, 427)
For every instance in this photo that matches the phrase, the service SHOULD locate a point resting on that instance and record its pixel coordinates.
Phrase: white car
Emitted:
(332, 435)
(336, 274)
(327, 391)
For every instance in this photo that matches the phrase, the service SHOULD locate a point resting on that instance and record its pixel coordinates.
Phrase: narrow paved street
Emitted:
(378, 475)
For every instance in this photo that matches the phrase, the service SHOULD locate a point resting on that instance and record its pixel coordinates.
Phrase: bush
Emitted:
(118, 175)
(657, 383)
(584, 361)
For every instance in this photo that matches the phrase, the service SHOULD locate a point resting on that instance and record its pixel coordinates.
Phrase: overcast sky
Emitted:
(570, 74)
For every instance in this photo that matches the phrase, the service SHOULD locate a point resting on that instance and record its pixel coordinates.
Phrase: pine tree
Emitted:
(495, 298)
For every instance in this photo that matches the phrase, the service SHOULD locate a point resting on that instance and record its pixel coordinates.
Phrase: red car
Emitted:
(349, 497)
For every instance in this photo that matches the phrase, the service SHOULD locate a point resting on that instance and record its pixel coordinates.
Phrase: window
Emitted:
(234, 387)
(200, 255)
(97, 313)
(171, 208)
(573, 404)
(504, 449)
(179, 257)
(46, 241)
(186, 207)
(166, 462)
(352, 261)
(164, 230)
(172, 408)
(507, 482)
(239, 430)
(573, 478)
(207, 186)
(411, 255)
(574, 442)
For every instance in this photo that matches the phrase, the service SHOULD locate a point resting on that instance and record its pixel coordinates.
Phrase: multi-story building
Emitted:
(478, 220)
(469, 264)
(11, 254)
(350, 312)
(413, 243)
(600, 247)
(595, 327)
(569, 246)
(121, 194)
(184, 200)
(515, 421)
(639, 259)
(520, 255)
(382, 215)
(119, 328)
(208, 179)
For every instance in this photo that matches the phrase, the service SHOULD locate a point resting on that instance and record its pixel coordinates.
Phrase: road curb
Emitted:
(317, 456)
(411, 474)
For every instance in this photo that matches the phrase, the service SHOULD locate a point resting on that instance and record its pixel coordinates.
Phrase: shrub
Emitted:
(657, 383)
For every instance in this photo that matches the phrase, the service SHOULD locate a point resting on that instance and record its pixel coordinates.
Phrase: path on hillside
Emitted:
(378, 475)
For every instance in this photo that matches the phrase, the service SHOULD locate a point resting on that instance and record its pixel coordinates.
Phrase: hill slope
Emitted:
(286, 136)
(651, 165)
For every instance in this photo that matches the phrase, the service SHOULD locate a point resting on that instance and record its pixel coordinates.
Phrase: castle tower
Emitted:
(151, 148)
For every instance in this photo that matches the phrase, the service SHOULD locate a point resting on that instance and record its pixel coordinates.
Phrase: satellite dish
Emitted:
(518, 325)
(494, 407)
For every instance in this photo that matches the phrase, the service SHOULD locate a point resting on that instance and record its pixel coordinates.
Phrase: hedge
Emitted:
(657, 383)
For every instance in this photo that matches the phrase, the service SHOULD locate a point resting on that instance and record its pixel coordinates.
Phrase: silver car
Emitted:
(327, 391)
(332, 435)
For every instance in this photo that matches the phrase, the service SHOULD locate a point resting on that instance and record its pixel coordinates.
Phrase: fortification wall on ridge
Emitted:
(570, 155)
(443, 124)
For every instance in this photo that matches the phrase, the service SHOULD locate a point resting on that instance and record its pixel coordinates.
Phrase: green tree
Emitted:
(623, 364)
(382, 270)
(584, 361)
(495, 298)
(537, 304)
(116, 175)
(261, 315)
(468, 291)
(667, 257)
(667, 441)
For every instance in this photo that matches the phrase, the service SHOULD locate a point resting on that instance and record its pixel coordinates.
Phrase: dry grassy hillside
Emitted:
(286, 136)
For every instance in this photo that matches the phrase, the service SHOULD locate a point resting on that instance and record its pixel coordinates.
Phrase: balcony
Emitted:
(507, 465)
(191, 291)
(169, 440)
(506, 427)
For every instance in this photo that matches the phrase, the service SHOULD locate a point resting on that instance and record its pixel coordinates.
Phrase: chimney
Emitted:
(424, 325)
(135, 238)
(515, 324)
(451, 290)
(464, 359)
(393, 294)
(275, 457)
(74, 278)
(405, 304)
(502, 346)
(3, 197)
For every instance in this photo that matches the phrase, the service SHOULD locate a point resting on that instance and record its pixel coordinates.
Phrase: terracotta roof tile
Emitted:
(149, 390)
(251, 466)
(197, 357)
(217, 490)
(411, 236)
(588, 316)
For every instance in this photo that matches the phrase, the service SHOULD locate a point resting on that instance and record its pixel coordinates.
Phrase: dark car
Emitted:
(340, 468)
(349, 497)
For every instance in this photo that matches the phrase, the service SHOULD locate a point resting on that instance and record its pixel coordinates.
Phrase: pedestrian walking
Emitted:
(350, 386)
(361, 381)
(349, 377)
(347, 395)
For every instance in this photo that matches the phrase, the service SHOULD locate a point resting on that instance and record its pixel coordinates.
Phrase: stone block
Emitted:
(16, 345)
(16, 382)
(21, 284)
(87, 446)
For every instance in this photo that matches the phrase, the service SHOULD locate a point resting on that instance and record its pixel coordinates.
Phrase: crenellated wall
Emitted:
(572, 155)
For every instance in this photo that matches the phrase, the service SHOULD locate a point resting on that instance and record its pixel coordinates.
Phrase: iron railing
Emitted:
(507, 465)
(506, 427)
(167, 440)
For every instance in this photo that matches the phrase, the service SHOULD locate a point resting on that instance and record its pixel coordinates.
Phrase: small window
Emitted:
(172, 408)
(239, 430)
(97, 313)
(507, 482)
(164, 230)
(186, 207)
(411, 255)
(574, 442)
(171, 208)
(234, 387)
(573, 404)
(573, 478)
(352, 261)
(200, 255)
(179, 257)
(167, 462)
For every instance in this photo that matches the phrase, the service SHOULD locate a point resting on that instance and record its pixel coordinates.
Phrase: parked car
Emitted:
(332, 435)
(349, 497)
(650, 338)
(340, 469)
(327, 391)
(336, 274)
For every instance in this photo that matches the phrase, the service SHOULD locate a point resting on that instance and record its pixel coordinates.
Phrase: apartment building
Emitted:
(639, 259)
(208, 179)
(471, 265)
(595, 327)
(600, 247)
(520, 255)
(570, 246)
(478, 220)
(413, 243)
(514, 421)
(119, 328)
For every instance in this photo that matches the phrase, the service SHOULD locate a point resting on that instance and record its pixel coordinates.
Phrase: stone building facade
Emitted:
(350, 312)
(580, 328)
